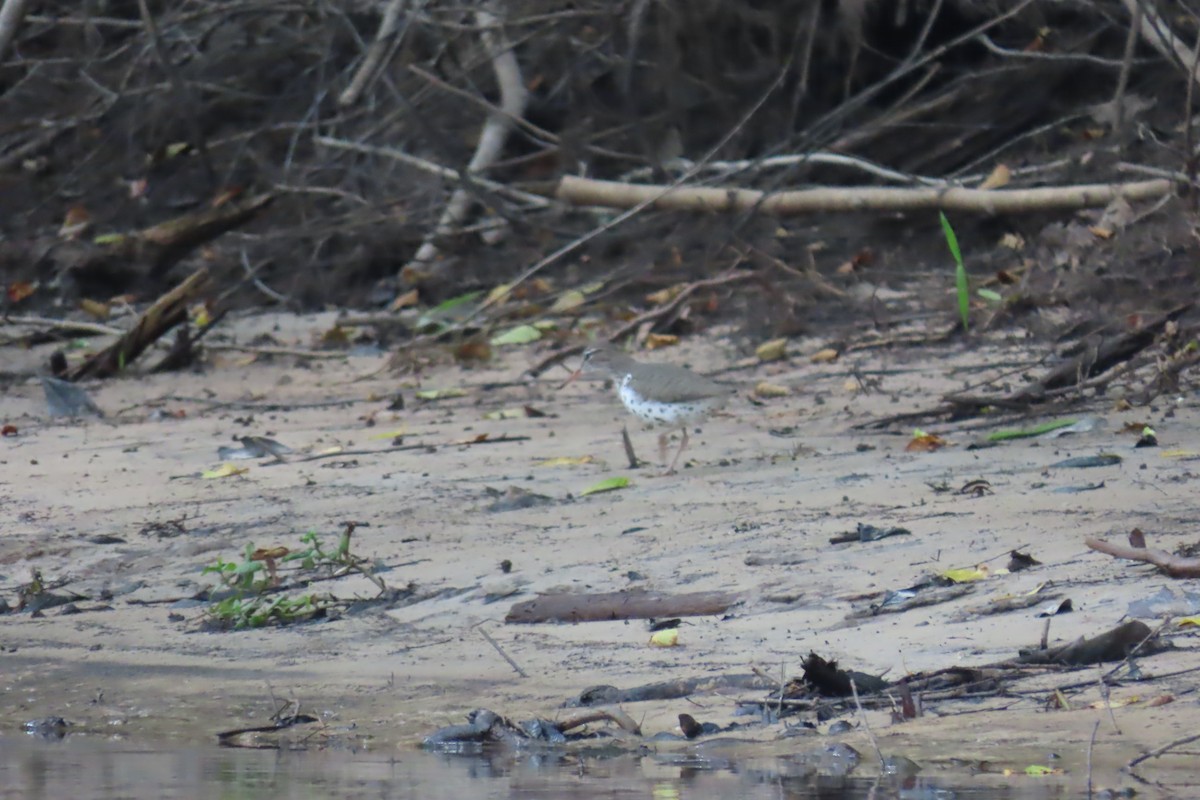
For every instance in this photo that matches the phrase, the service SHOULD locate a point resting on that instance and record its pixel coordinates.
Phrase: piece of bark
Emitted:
(1173, 565)
(632, 604)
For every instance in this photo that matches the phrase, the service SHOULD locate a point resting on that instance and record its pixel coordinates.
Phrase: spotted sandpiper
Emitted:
(663, 394)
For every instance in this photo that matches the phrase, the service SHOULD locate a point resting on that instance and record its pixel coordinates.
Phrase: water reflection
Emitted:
(86, 767)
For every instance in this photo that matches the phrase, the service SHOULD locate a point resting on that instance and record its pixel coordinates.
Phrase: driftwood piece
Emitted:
(633, 604)
(616, 716)
(167, 312)
(1173, 565)
(669, 690)
(611, 194)
(1114, 645)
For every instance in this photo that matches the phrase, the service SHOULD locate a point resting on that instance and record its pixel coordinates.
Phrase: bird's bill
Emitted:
(571, 379)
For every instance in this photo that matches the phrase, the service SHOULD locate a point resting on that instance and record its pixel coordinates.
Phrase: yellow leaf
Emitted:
(566, 461)
(1189, 621)
(440, 394)
(765, 389)
(1124, 701)
(200, 315)
(824, 356)
(507, 413)
(499, 294)
(396, 434)
(665, 638)
(664, 296)
(224, 471)
(658, 340)
(1000, 176)
(773, 350)
(567, 301)
(1178, 453)
(606, 485)
(967, 574)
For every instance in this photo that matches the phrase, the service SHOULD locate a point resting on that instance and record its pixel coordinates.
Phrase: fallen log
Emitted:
(612, 194)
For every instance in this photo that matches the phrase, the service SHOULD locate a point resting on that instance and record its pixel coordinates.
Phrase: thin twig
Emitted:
(503, 654)
(64, 324)
(1091, 744)
(1106, 693)
(866, 726)
(278, 351)
(1163, 750)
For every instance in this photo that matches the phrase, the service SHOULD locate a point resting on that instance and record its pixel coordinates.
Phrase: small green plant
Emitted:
(255, 593)
(960, 271)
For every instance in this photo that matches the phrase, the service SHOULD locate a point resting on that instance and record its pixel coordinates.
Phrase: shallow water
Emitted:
(86, 767)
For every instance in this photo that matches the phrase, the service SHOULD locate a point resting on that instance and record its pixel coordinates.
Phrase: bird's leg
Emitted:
(629, 454)
(682, 445)
(662, 447)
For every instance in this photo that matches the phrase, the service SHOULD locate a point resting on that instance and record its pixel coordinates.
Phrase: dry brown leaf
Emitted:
(409, 298)
(658, 340)
(76, 221)
(19, 290)
(95, 308)
(226, 196)
(473, 350)
(925, 443)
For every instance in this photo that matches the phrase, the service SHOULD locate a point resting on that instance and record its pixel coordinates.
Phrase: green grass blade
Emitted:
(960, 270)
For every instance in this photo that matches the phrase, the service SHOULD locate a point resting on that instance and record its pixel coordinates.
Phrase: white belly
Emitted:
(674, 414)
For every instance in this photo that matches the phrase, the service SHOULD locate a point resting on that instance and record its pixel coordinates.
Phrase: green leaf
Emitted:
(437, 316)
(522, 334)
(454, 302)
(990, 296)
(606, 485)
(960, 271)
(1036, 430)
